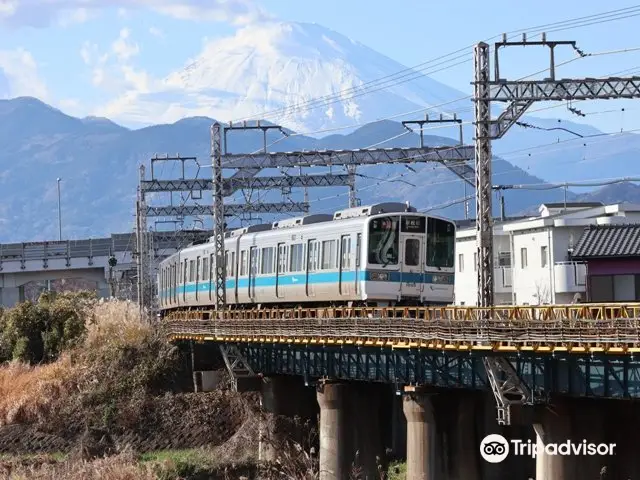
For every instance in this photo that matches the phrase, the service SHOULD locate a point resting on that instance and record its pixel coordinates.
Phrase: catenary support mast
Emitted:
(218, 216)
(519, 96)
(484, 217)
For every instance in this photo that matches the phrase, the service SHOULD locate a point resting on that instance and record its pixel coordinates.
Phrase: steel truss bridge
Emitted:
(578, 350)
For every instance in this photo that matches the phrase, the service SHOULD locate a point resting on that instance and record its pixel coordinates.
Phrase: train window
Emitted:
(198, 269)
(254, 261)
(205, 268)
(192, 270)
(267, 260)
(329, 252)
(314, 254)
(282, 258)
(440, 243)
(296, 263)
(383, 241)
(412, 252)
(345, 249)
(243, 263)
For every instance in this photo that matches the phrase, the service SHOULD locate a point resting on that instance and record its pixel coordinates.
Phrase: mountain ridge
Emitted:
(100, 169)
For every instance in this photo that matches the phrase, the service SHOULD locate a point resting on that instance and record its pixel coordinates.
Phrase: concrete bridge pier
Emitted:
(334, 451)
(418, 411)
(549, 429)
(283, 396)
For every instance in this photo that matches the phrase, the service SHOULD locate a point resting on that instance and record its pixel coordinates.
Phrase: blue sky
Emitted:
(79, 56)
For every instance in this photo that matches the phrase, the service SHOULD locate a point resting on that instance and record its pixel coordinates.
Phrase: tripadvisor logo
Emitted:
(495, 448)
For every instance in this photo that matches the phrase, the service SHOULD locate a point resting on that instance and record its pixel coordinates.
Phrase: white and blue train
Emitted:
(380, 255)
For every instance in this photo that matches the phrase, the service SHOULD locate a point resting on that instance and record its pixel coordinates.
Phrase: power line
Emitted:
(569, 24)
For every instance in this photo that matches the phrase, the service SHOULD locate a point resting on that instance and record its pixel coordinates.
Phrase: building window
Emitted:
(523, 258)
(504, 259)
(475, 261)
(543, 256)
(460, 262)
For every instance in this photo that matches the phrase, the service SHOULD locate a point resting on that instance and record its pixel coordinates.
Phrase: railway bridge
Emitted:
(556, 373)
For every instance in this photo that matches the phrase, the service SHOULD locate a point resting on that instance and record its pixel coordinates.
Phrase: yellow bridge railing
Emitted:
(585, 328)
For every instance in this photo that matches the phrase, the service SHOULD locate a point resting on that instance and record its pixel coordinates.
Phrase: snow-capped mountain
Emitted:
(274, 65)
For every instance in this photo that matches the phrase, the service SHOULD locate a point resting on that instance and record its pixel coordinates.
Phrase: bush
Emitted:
(98, 362)
(38, 332)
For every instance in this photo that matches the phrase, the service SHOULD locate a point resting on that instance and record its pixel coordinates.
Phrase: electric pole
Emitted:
(218, 217)
(519, 96)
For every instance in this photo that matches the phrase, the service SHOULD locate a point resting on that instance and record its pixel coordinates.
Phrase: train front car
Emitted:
(409, 259)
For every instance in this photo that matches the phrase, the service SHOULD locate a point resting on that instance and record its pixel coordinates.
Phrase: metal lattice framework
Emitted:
(218, 216)
(445, 155)
(484, 217)
(520, 95)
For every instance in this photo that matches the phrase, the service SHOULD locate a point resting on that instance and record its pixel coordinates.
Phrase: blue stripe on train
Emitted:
(316, 278)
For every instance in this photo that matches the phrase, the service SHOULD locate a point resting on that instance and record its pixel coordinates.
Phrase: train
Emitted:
(386, 254)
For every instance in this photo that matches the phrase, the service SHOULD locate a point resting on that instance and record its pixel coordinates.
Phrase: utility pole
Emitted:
(519, 96)
(142, 254)
(59, 212)
(484, 217)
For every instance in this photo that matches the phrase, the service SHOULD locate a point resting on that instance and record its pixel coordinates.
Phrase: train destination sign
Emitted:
(414, 224)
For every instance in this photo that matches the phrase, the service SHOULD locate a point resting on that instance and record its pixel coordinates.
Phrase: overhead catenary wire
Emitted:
(563, 63)
(578, 22)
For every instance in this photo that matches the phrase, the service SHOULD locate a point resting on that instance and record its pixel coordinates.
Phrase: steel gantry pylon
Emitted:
(519, 96)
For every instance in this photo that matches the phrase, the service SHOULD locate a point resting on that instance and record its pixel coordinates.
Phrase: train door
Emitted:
(197, 278)
(184, 281)
(281, 268)
(345, 265)
(412, 268)
(313, 256)
(357, 259)
(253, 270)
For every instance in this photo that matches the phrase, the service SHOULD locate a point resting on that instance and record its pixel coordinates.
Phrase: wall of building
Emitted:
(532, 279)
(466, 283)
(614, 280)
(613, 266)
(555, 281)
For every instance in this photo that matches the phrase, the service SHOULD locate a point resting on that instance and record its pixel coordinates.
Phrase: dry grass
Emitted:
(28, 393)
(115, 322)
(118, 467)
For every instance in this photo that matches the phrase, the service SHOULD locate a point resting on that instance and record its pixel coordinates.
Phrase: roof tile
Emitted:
(609, 241)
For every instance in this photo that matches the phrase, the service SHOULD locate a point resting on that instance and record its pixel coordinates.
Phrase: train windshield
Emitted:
(383, 241)
(440, 243)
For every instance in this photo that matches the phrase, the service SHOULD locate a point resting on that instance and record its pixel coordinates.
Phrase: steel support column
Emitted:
(484, 217)
(218, 216)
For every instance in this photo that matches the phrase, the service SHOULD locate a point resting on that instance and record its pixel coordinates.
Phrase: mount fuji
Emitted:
(284, 68)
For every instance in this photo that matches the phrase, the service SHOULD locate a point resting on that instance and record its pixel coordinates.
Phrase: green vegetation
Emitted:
(38, 332)
(397, 471)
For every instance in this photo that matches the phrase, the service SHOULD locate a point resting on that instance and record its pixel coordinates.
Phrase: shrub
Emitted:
(38, 332)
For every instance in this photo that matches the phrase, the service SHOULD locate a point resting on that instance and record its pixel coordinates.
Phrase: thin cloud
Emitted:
(20, 71)
(36, 13)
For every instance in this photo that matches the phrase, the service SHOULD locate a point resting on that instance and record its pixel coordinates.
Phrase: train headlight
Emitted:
(380, 276)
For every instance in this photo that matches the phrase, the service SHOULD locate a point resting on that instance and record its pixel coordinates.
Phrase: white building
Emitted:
(532, 256)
